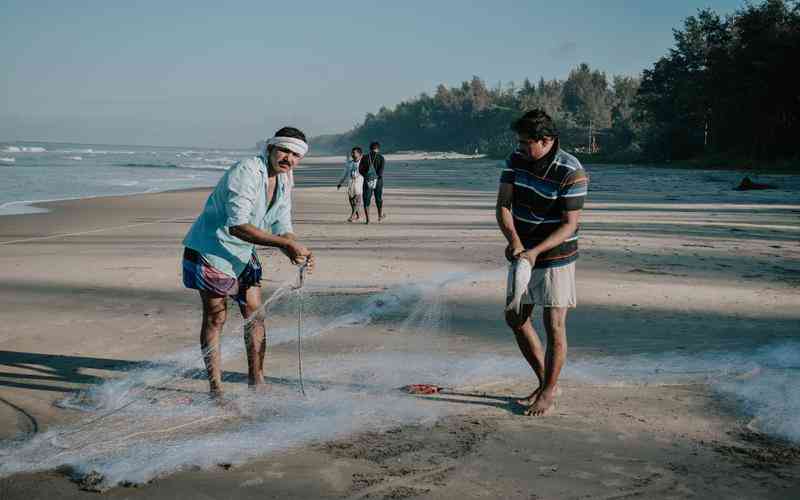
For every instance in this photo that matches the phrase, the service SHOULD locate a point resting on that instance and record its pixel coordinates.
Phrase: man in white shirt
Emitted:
(251, 205)
(354, 182)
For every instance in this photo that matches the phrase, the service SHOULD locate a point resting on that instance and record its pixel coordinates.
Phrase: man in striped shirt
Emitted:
(539, 202)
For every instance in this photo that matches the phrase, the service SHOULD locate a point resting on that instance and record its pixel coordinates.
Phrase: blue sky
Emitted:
(207, 74)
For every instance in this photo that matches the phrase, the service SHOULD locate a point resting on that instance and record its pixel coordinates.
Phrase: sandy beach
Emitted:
(681, 299)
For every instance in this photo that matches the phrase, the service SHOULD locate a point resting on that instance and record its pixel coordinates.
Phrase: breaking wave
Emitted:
(24, 149)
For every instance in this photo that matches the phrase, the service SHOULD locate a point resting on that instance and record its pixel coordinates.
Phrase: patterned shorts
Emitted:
(199, 274)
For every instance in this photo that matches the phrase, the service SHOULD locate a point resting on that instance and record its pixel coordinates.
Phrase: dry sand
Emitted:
(93, 288)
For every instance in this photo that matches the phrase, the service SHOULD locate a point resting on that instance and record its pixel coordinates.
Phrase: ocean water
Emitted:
(41, 171)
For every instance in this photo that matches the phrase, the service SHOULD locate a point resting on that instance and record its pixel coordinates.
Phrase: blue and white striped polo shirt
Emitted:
(543, 191)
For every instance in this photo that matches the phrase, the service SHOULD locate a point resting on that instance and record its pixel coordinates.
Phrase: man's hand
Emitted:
(299, 254)
(513, 250)
(310, 260)
(531, 255)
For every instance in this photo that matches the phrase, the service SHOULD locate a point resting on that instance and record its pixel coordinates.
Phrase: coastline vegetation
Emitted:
(722, 97)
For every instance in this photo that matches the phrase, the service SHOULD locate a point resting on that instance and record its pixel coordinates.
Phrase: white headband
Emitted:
(294, 145)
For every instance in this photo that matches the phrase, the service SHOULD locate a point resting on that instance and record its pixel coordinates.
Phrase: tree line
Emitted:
(723, 90)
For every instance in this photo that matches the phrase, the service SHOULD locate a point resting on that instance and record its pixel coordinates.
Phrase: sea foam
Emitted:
(24, 149)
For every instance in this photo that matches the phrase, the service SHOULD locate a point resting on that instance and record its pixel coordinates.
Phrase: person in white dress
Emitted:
(354, 182)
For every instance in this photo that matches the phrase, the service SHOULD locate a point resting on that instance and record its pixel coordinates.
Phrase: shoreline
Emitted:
(400, 157)
(40, 206)
(27, 207)
(20, 207)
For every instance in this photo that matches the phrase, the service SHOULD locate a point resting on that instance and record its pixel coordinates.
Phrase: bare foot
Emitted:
(218, 398)
(530, 399)
(258, 388)
(527, 401)
(544, 403)
(215, 389)
(382, 217)
(228, 406)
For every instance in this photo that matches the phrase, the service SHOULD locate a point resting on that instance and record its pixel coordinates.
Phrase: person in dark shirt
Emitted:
(539, 202)
(371, 168)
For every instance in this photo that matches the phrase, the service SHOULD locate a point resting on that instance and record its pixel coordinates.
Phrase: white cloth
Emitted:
(352, 179)
(294, 145)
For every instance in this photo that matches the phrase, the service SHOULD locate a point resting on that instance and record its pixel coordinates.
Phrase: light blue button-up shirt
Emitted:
(240, 197)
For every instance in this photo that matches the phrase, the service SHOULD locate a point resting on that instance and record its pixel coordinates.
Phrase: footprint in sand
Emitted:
(251, 482)
(614, 469)
(655, 470)
(612, 456)
(581, 474)
(548, 469)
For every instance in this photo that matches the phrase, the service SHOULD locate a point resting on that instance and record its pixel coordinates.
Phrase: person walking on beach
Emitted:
(353, 181)
(541, 194)
(371, 168)
(250, 205)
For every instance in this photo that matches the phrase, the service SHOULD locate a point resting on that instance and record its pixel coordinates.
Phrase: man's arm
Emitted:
(344, 176)
(569, 224)
(286, 242)
(363, 166)
(252, 234)
(505, 220)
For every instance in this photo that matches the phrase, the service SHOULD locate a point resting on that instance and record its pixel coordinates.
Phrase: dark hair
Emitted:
(357, 148)
(536, 124)
(292, 132)
(374, 144)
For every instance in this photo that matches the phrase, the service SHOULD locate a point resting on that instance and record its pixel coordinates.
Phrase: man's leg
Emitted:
(215, 311)
(555, 323)
(379, 199)
(367, 200)
(352, 201)
(255, 342)
(530, 345)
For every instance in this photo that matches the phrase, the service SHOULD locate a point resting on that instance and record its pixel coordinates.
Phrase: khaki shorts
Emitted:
(549, 287)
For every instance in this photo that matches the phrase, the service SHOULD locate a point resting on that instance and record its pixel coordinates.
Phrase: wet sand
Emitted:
(92, 289)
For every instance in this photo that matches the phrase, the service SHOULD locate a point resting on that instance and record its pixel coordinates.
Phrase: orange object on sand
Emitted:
(424, 389)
